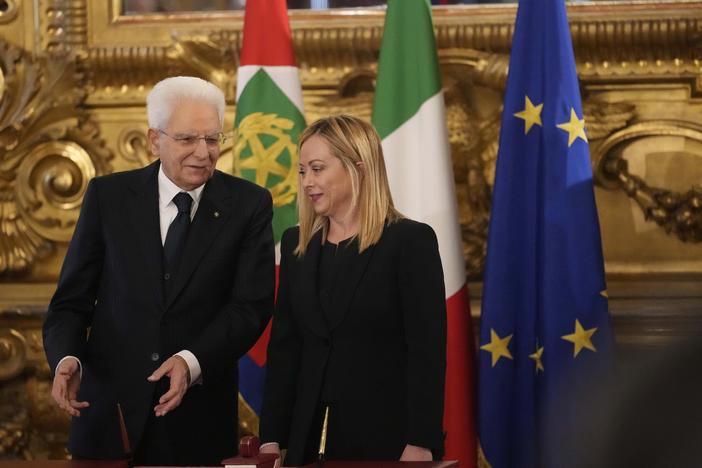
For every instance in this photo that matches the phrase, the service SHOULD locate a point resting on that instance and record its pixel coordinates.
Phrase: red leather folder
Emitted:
(262, 460)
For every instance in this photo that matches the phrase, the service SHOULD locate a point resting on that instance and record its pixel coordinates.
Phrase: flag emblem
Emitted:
(266, 153)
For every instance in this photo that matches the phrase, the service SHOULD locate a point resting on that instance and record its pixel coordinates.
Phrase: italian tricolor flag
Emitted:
(409, 115)
(269, 118)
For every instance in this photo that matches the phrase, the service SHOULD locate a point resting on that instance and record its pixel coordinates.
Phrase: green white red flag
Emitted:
(409, 114)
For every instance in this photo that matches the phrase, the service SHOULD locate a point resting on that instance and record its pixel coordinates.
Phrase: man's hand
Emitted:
(65, 387)
(177, 371)
(414, 453)
(272, 447)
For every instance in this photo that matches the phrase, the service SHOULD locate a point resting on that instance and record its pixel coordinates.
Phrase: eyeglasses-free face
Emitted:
(188, 158)
(324, 179)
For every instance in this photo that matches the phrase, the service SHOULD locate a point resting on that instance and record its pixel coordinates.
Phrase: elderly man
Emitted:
(169, 278)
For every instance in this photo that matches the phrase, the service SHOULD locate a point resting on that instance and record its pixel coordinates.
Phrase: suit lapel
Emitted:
(145, 216)
(213, 212)
(350, 275)
(307, 284)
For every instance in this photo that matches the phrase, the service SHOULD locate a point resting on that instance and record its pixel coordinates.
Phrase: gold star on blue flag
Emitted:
(497, 347)
(575, 128)
(531, 115)
(536, 357)
(544, 274)
(580, 338)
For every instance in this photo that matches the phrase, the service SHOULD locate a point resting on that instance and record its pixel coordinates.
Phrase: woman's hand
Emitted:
(414, 453)
(272, 447)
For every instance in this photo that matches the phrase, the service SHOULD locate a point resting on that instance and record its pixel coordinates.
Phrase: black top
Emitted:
(373, 345)
(332, 260)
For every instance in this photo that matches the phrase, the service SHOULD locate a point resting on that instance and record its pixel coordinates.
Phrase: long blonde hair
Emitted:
(352, 141)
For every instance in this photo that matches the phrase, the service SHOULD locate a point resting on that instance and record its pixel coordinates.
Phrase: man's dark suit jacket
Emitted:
(378, 355)
(109, 310)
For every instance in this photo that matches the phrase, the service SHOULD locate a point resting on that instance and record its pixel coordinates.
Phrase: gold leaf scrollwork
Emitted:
(482, 68)
(9, 11)
(603, 118)
(14, 418)
(13, 353)
(14, 434)
(133, 146)
(21, 245)
(678, 213)
(51, 182)
(214, 56)
(2, 85)
(359, 105)
(49, 150)
(473, 159)
(31, 425)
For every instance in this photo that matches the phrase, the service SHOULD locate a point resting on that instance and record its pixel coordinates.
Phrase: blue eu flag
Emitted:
(545, 324)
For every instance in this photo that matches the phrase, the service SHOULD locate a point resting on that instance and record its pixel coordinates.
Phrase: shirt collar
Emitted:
(167, 190)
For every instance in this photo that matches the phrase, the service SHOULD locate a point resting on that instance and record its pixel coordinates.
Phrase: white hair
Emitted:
(168, 93)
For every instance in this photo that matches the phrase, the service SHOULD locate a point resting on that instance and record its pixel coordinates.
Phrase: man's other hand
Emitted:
(65, 387)
(176, 369)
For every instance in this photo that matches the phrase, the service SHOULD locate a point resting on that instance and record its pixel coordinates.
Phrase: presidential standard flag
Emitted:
(269, 118)
(408, 113)
(545, 328)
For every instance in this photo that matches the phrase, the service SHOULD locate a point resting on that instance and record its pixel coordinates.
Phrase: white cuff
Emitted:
(80, 366)
(193, 365)
(270, 443)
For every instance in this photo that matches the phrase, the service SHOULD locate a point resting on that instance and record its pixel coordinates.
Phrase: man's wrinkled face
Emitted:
(189, 146)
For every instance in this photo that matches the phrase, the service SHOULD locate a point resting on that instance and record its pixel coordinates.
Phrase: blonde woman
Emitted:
(359, 332)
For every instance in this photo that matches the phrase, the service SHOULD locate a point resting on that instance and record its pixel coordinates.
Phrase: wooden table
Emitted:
(63, 464)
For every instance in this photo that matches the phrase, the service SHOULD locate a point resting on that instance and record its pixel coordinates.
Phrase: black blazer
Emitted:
(109, 310)
(378, 356)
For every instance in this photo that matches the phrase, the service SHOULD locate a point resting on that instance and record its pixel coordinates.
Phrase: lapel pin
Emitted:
(216, 214)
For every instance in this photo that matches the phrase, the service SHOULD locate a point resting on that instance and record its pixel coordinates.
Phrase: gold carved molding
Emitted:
(9, 12)
(73, 79)
(679, 213)
(114, 59)
(613, 40)
(30, 425)
(49, 150)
